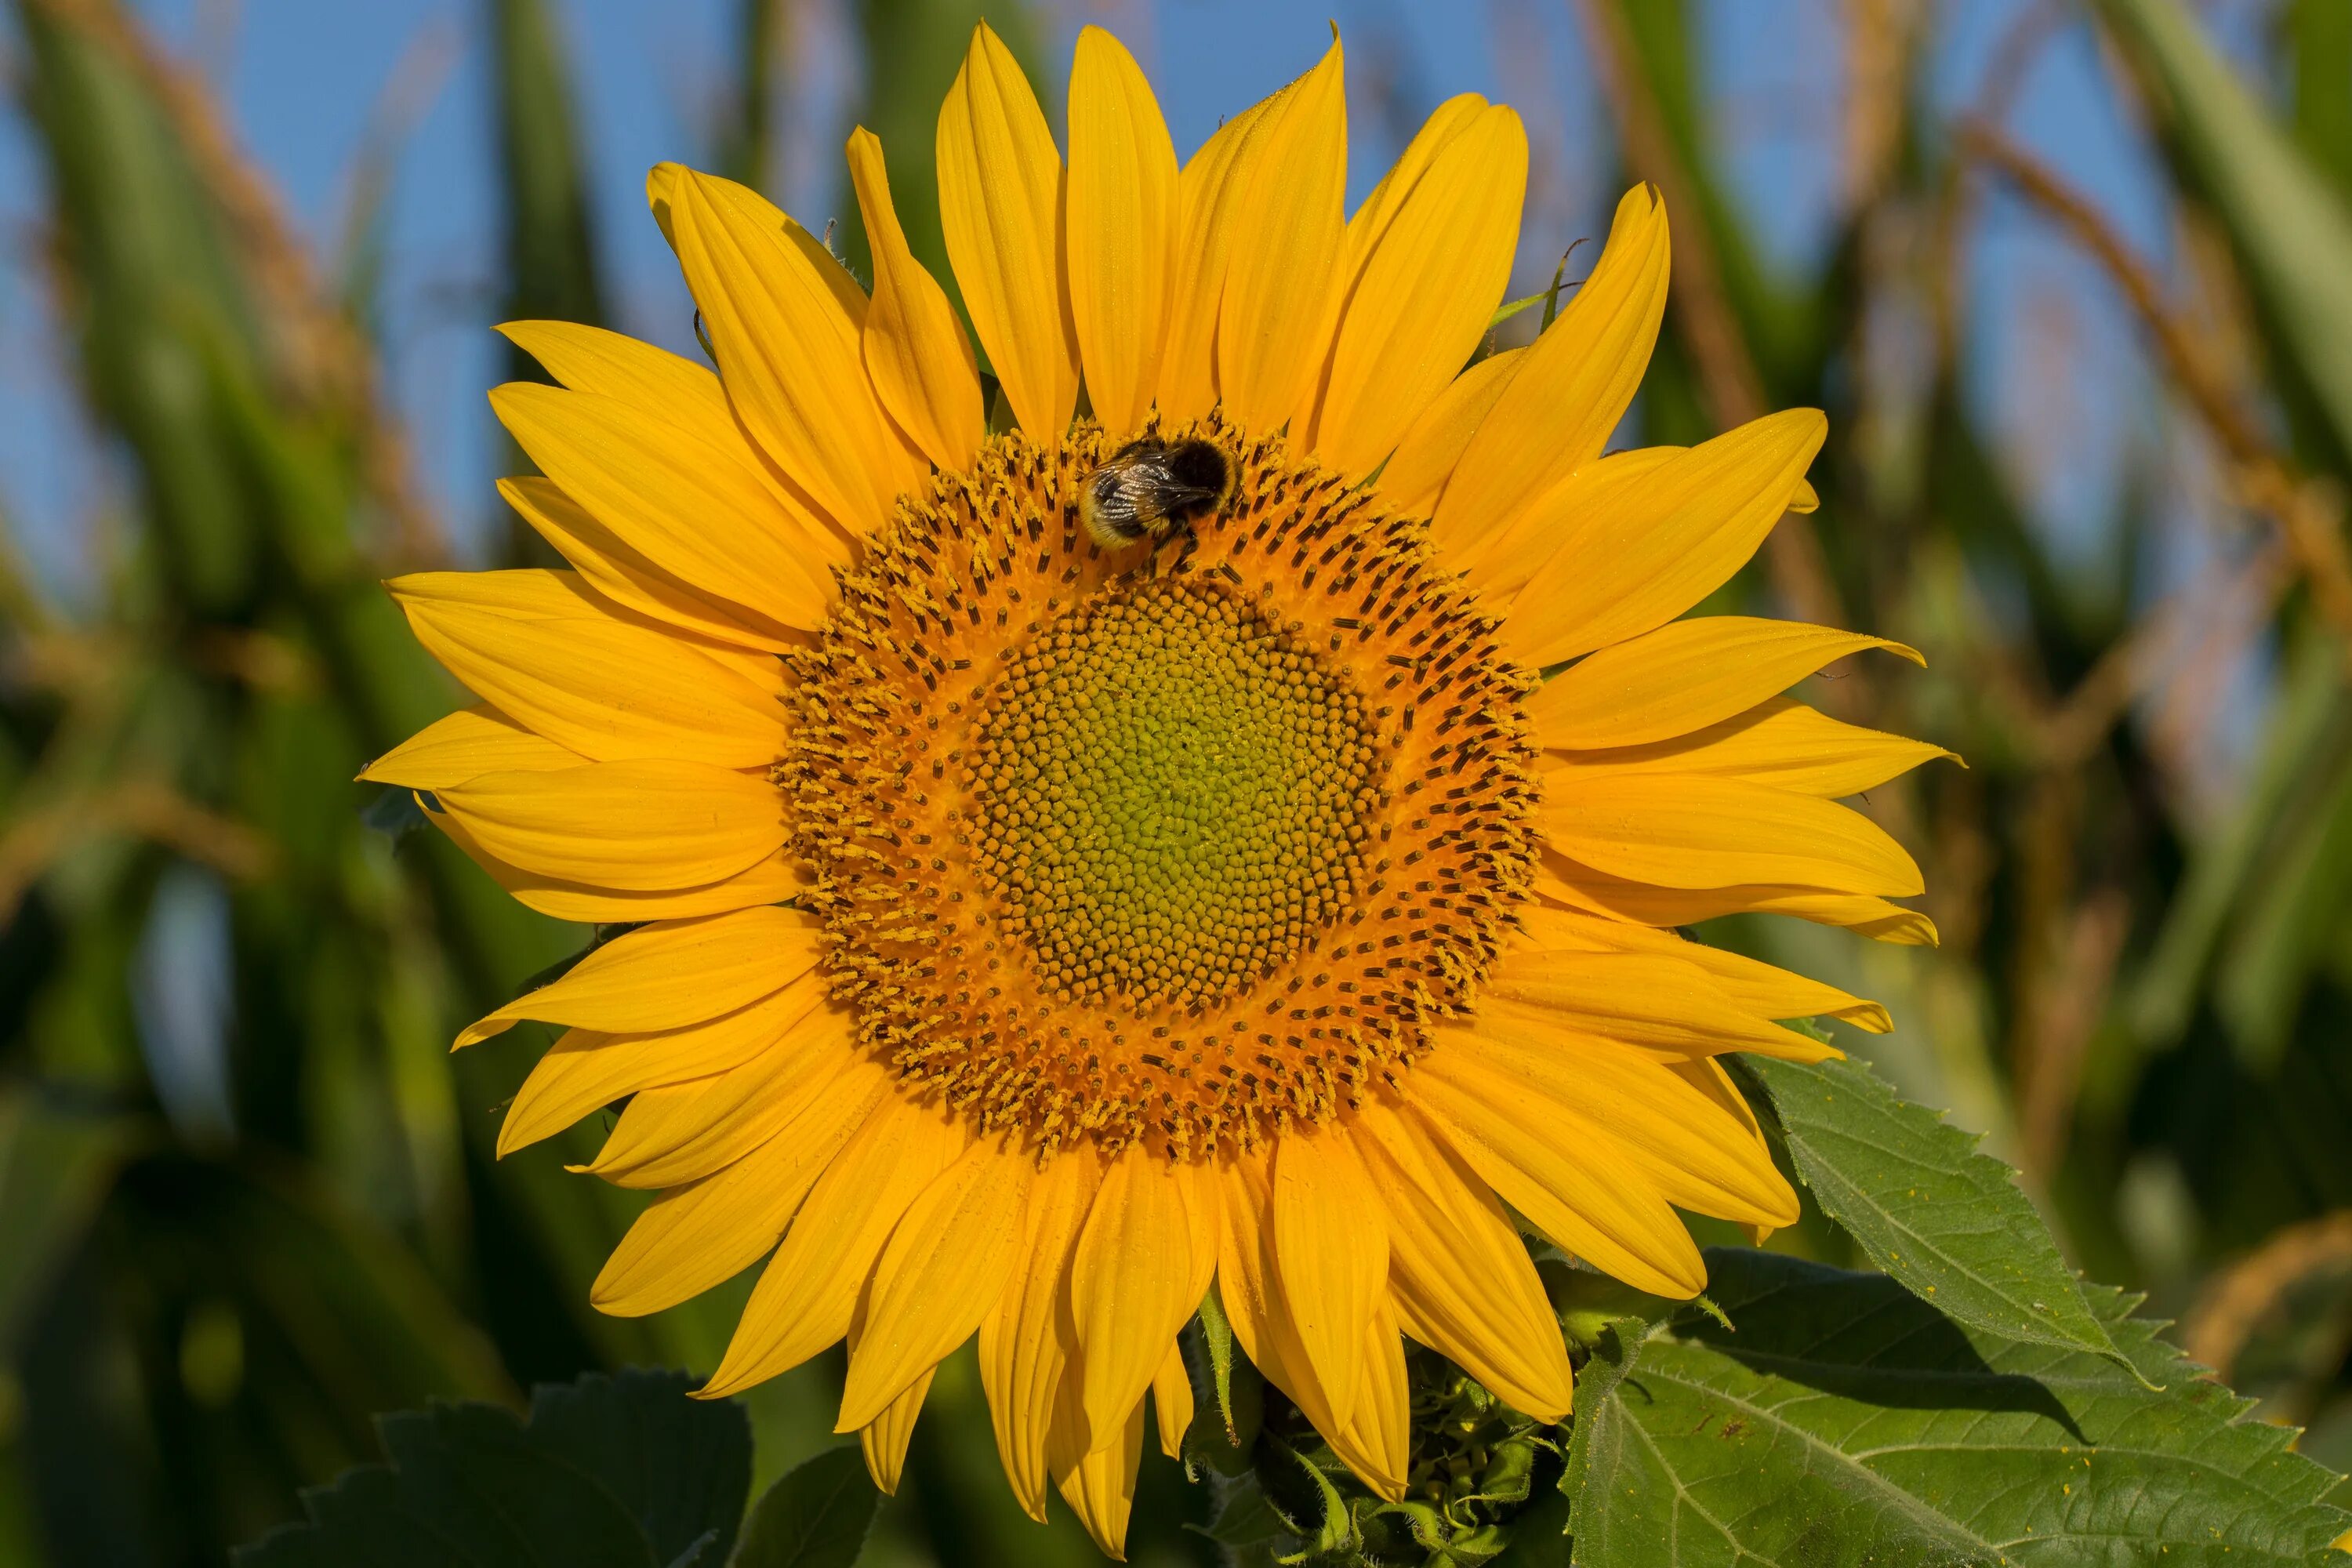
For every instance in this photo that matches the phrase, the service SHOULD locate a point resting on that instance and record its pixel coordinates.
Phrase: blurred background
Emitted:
(2073, 280)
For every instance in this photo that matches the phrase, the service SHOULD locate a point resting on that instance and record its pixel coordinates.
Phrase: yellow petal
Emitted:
(1171, 1401)
(683, 1131)
(697, 1236)
(1377, 1441)
(1780, 742)
(1709, 1078)
(1685, 831)
(1574, 385)
(1652, 1000)
(1330, 1260)
(1121, 239)
(660, 385)
(771, 880)
(1100, 1489)
(588, 1067)
(466, 745)
(1206, 193)
(944, 1269)
(1618, 1107)
(914, 349)
(608, 688)
(1605, 1215)
(1571, 885)
(1247, 1285)
(1282, 280)
(806, 1295)
(885, 1441)
(1626, 558)
(1750, 985)
(1502, 561)
(704, 512)
(669, 974)
(1457, 1267)
(651, 826)
(1127, 1280)
(1429, 255)
(1684, 677)
(1001, 206)
(1025, 1342)
(1416, 474)
(630, 578)
(786, 324)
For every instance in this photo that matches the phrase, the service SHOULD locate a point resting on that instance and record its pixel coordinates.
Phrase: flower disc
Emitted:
(1178, 842)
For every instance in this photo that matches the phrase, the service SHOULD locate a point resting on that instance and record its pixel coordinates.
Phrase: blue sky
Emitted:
(305, 80)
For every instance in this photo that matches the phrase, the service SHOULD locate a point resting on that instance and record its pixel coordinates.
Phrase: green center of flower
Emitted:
(1175, 795)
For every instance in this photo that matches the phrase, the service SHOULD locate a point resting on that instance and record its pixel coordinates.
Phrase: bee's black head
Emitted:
(1203, 465)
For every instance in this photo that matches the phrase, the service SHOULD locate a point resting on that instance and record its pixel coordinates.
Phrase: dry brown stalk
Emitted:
(1728, 378)
(2235, 1303)
(38, 840)
(2306, 514)
(321, 355)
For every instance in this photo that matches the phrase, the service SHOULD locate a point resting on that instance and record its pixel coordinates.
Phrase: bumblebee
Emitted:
(1150, 487)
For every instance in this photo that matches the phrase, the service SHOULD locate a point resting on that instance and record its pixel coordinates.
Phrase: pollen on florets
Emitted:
(1181, 842)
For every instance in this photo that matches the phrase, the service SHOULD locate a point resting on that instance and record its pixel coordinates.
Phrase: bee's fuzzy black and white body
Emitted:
(1149, 488)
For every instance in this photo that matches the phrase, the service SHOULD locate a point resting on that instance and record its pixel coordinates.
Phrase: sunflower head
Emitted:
(1034, 925)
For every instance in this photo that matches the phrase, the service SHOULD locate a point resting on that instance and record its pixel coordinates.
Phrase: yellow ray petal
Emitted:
(1647, 999)
(1171, 1401)
(1709, 1078)
(1247, 1285)
(1578, 379)
(1100, 1488)
(1564, 882)
(649, 826)
(1416, 476)
(587, 1067)
(1330, 1263)
(1281, 295)
(628, 576)
(683, 1131)
(885, 1441)
(1685, 831)
(1429, 255)
(1628, 557)
(943, 1270)
(914, 349)
(1457, 1267)
(660, 385)
(466, 745)
(1025, 1340)
(1601, 1213)
(1620, 1109)
(706, 1232)
(1502, 561)
(806, 1295)
(1780, 742)
(609, 688)
(669, 974)
(1686, 676)
(1127, 1283)
(1000, 206)
(1121, 239)
(786, 325)
(1377, 1441)
(771, 880)
(705, 512)
(1206, 192)
(1751, 986)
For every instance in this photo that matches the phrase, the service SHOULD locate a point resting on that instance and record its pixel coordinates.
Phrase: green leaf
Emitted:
(2283, 214)
(1946, 1221)
(610, 1472)
(54, 1169)
(1849, 1423)
(815, 1516)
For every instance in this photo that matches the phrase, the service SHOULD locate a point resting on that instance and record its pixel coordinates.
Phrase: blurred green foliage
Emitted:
(203, 1300)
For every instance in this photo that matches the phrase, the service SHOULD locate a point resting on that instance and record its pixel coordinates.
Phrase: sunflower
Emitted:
(1022, 936)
